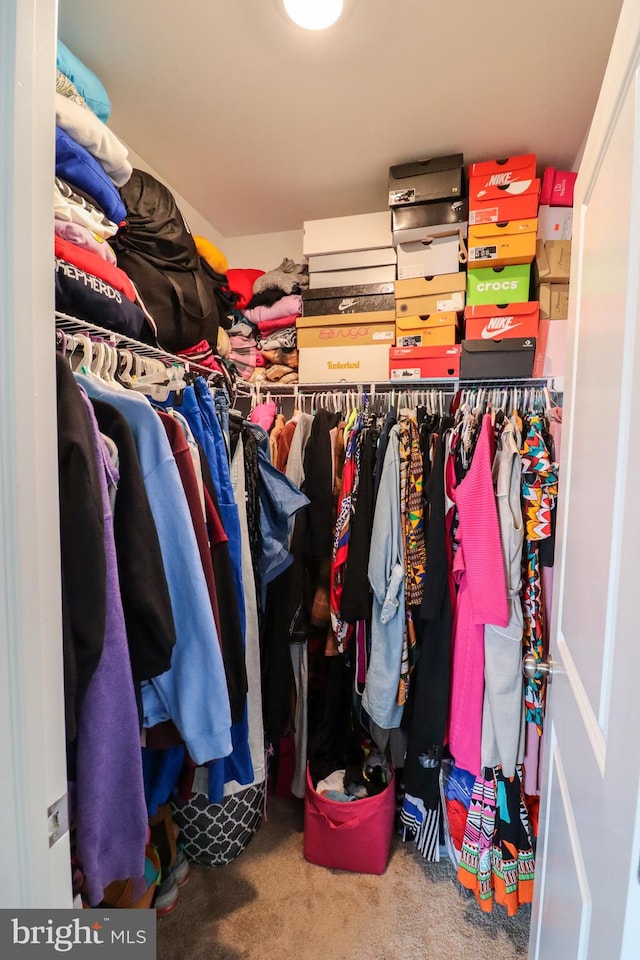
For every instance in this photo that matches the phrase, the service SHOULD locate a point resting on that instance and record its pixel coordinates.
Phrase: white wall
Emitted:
(196, 222)
(264, 251)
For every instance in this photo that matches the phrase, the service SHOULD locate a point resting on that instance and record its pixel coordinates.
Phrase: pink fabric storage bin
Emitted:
(353, 836)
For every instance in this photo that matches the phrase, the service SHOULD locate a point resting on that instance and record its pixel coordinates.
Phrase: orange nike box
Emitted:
(511, 201)
(424, 363)
(496, 173)
(502, 244)
(494, 322)
(428, 330)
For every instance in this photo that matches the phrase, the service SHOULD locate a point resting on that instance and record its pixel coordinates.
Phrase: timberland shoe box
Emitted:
(424, 221)
(424, 363)
(347, 329)
(436, 329)
(431, 257)
(497, 173)
(437, 178)
(554, 301)
(497, 360)
(362, 298)
(555, 223)
(351, 278)
(497, 321)
(367, 231)
(422, 295)
(501, 244)
(499, 284)
(511, 201)
(339, 364)
(553, 261)
(353, 260)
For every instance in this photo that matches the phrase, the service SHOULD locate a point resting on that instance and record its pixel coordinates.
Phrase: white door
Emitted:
(587, 902)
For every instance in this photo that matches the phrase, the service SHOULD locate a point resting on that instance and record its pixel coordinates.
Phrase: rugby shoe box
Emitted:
(497, 173)
(426, 220)
(497, 321)
(501, 244)
(511, 201)
(436, 178)
(497, 360)
(422, 295)
(363, 298)
(347, 329)
(431, 330)
(424, 363)
(499, 284)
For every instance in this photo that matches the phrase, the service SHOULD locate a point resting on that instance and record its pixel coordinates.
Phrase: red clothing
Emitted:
(96, 265)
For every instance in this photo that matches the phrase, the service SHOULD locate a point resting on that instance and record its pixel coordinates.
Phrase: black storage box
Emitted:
(365, 298)
(437, 178)
(511, 358)
(424, 220)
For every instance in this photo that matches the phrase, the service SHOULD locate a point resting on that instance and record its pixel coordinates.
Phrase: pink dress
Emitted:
(478, 568)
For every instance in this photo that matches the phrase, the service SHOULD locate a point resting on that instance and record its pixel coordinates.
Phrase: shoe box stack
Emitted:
(429, 217)
(500, 321)
(552, 270)
(348, 313)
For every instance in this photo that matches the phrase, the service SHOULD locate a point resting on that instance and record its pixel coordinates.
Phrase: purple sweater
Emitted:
(111, 813)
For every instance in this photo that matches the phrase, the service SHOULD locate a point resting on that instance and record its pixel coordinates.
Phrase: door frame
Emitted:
(33, 873)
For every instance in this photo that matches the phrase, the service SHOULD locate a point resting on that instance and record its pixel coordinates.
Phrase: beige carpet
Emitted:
(270, 904)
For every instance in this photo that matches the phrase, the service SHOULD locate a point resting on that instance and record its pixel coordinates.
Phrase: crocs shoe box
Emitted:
(422, 181)
(502, 244)
(514, 200)
(367, 231)
(423, 295)
(557, 187)
(430, 257)
(340, 364)
(499, 284)
(341, 301)
(429, 330)
(426, 221)
(347, 329)
(497, 360)
(555, 223)
(497, 321)
(424, 363)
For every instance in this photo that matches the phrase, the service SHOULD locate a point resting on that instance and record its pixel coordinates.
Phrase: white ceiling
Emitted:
(261, 125)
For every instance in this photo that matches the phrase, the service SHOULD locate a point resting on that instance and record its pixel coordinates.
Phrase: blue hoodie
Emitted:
(193, 693)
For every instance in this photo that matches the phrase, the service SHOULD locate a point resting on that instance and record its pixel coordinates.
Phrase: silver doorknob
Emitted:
(531, 667)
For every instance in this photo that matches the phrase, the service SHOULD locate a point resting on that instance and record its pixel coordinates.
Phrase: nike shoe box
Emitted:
(430, 257)
(517, 200)
(347, 329)
(551, 349)
(353, 260)
(495, 322)
(430, 330)
(511, 358)
(367, 231)
(362, 298)
(554, 301)
(499, 284)
(553, 261)
(424, 363)
(557, 187)
(499, 173)
(555, 223)
(340, 364)
(422, 295)
(351, 278)
(424, 221)
(501, 244)
(436, 178)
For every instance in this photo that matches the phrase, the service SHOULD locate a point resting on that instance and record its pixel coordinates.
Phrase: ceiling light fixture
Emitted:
(314, 14)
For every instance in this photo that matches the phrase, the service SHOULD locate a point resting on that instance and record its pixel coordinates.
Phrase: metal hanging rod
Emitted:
(72, 325)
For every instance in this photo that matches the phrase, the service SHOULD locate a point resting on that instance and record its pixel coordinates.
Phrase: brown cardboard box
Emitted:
(554, 301)
(553, 260)
(422, 295)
